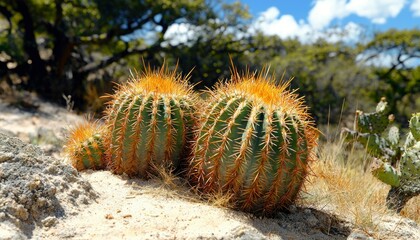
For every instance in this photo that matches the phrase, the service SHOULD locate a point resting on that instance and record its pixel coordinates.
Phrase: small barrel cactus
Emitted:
(149, 120)
(254, 144)
(85, 146)
(398, 166)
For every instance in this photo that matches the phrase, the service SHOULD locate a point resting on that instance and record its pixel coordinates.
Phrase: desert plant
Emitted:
(254, 144)
(85, 145)
(149, 120)
(394, 163)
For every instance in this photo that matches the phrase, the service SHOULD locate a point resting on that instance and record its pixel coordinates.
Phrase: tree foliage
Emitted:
(80, 47)
(397, 55)
(326, 74)
(55, 45)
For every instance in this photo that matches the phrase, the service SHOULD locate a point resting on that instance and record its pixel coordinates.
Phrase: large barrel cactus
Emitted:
(254, 143)
(85, 145)
(149, 120)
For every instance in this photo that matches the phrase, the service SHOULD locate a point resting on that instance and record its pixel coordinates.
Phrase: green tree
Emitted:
(215, 44)
(326, 74)
(398, 54)
(53, 46)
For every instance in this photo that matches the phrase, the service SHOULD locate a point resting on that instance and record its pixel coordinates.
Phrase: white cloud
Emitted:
(378, 11)
(271, 22)
(270, 14)
(324, 11)
(351, 32)
(179, 33)
(415, 8)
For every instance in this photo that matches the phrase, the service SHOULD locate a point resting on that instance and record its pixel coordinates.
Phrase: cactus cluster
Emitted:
(397, 164)
(253, 140)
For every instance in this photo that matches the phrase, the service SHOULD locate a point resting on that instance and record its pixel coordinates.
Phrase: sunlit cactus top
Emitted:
(263, 90)
(162, 81)
(85, 147)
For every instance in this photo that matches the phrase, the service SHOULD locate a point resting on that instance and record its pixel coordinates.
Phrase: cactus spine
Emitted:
(254, 143)
(149, 119)
(85, 146)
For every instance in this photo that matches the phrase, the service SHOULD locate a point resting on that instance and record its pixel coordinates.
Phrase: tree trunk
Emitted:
(38, 80)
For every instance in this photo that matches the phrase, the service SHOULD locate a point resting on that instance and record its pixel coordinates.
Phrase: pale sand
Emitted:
(138, 209)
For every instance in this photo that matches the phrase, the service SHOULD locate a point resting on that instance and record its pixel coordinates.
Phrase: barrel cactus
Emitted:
(396, 164)
(85, 145)
(254, 144)
(149, 120)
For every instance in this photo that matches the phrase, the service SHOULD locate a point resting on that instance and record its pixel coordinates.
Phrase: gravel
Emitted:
(34, 188)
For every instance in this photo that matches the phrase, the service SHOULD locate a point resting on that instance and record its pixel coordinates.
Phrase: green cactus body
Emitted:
(410, 169)
(387, 174)
(409, 141)
(255, 148)
(85, 146)
(415, 126)
(375, 122)
(148, 122)
(393, 136)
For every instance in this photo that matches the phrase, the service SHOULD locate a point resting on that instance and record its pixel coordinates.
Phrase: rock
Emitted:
(245, 233)
(5, 156)
(49, 221)
(357, 235)
(33, 187)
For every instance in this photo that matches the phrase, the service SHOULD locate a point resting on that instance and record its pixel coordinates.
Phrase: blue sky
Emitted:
(349, 21)
(302, 18)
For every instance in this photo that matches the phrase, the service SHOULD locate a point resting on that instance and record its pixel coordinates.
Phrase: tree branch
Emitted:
(5, 12)
(116, 31)
(116, 57)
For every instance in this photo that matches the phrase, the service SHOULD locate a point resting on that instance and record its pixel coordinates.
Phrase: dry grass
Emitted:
(342, 185)
(168, 184)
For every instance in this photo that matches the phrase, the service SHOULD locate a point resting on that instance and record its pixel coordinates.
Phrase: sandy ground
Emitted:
(138, 209)
(133, 208)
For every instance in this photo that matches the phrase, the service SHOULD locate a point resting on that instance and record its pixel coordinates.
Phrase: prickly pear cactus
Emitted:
(415, 126)
(385, 147)
(410, 169)
(149, 120)
(377, 134)
(375, 122)
(409, 179)
(85, 146)
(255, 142)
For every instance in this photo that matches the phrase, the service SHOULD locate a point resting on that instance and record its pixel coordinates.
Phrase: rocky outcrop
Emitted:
(34, 188)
